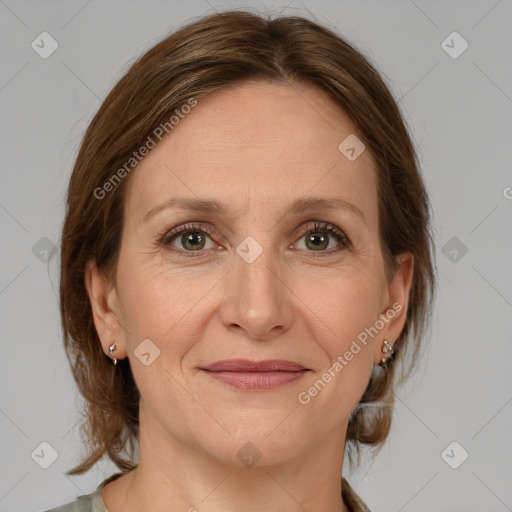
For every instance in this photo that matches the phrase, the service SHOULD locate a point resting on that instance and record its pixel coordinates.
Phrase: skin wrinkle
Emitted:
(283, 305)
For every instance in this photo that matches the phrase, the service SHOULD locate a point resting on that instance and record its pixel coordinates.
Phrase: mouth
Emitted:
(255, 375)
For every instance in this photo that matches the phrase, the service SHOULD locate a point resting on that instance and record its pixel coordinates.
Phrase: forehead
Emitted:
(264, 142)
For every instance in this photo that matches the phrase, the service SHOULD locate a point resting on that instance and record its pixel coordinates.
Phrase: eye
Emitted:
(323, 236)
(194, 237)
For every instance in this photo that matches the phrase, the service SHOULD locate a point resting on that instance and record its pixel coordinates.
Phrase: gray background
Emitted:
(459, 111)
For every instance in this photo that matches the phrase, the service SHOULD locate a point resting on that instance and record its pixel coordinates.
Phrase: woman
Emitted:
(247, 238)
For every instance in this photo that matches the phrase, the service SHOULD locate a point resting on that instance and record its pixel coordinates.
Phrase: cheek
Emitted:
(343, 305)
(165, 308)
(348, 306)
(159, 305)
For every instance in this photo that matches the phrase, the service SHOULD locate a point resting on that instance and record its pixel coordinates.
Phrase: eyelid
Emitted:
(167, 236)
(319, 226)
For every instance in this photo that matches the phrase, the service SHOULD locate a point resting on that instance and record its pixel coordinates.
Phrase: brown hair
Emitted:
(220, 50)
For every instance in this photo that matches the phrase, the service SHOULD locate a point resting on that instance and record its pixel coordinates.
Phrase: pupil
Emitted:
(317, 240)
(191, 239)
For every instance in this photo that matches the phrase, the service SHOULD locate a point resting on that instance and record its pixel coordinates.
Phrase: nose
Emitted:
(257, 299)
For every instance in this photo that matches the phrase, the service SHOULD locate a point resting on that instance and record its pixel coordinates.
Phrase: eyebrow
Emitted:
(297, 207)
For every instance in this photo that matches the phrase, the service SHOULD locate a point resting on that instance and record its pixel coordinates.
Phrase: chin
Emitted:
(251, 444)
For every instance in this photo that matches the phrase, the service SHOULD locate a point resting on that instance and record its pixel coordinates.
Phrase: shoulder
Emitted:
(81, 504)
(84, 503)
(92, 502)
(68, 507)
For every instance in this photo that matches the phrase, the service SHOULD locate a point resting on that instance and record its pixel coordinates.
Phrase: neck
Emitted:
(176, 476)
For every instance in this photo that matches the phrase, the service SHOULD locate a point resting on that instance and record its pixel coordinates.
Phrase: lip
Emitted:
(255, 375)
(246, 365)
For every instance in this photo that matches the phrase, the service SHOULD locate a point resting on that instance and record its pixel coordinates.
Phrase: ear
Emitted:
(106, 315)
(395, 303)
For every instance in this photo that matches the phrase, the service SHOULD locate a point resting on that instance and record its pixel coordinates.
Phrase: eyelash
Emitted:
(167, 237)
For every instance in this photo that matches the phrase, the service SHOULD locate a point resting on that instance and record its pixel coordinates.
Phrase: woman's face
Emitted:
(279, 259)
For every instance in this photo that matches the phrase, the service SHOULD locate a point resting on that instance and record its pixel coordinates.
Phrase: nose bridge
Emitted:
(256, 298)
(258, 274)
(256, 265)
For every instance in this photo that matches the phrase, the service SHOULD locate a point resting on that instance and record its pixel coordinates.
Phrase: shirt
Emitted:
(93, 502)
